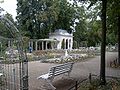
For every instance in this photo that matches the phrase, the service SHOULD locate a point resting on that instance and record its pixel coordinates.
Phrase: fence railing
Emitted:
(77, 84)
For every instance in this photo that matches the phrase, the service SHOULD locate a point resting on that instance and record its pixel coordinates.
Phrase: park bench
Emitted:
(1, 74)
(55, 71)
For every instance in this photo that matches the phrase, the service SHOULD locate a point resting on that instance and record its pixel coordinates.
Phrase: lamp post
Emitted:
(0, 48)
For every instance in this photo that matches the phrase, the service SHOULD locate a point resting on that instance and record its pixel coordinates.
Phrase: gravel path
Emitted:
(80, 70)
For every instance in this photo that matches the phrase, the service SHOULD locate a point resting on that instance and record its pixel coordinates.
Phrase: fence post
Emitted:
(90, 77)
(76, 83)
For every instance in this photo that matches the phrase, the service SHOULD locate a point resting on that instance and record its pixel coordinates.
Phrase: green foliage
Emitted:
(33, 16)
(66, 16)
(94, 33)
(39, 17)
(4, 32)
(36, 18)
(113, 11)
(88, 30)
(1, 1)
(25, 42)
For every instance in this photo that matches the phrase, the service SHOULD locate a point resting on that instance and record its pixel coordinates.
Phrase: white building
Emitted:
(65, 39)
(60, 39)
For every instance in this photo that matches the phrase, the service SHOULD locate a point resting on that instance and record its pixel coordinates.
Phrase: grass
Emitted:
(1, 82)
(111, 84)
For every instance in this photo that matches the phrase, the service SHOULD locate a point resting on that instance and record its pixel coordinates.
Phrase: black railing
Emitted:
(77, 84)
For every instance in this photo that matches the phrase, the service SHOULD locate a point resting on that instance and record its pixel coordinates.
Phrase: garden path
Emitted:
(80, 70)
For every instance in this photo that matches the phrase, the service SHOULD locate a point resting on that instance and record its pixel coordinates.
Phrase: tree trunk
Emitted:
(103, 46)
(119, 40)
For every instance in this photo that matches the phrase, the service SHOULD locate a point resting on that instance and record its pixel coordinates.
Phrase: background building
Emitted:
(65, 39)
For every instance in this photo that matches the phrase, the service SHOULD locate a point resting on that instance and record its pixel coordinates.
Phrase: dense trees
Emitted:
(65, 16)
(36, 18)
(103, 45)
(113, 22)
(39, 17)
(4, 30)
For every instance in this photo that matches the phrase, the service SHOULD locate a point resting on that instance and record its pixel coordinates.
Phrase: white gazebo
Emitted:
(43, 44)
(65, 39)
(60, 39)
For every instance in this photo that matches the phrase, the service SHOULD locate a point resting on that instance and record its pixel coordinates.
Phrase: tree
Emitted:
(4, 30)
(88, 26)
(114, 21)
(103, 45)
(111, 21)
(118, 23)
(94, 32)
(35, 16)
(66, 16)
(104, 29)
(1, 1)
(39, 17)
(80, 34)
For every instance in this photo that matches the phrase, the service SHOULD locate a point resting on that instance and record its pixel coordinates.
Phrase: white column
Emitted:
(32, 44)
(68, 44)
(65, 44)
(9, 43)
(52, 45)
(39, 45)
(29, 43)
(42, 45)
(46, 45)
(36, 45)
(71, 44)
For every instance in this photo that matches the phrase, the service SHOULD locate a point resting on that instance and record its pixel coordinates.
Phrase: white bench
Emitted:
(1, 74)
(55, 71)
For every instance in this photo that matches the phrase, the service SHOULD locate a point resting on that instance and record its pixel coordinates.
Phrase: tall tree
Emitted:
(89, 26)
(1, 1)
(94, 32)
(34, 16)
(103, 45)
(66, 16)
(119, 40)
(104, 29)
(113, 22)
(39, 17)
(80, 27)
(4, 30)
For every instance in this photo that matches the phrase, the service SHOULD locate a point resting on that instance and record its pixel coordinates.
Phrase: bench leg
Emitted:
(69, 74)
(66, 75)
(50, 83)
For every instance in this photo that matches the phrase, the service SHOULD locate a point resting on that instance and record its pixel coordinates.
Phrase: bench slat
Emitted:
(60, 69)
(57, 70)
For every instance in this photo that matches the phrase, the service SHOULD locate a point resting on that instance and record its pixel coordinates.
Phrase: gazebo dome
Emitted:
(65, 39)
(61, 32)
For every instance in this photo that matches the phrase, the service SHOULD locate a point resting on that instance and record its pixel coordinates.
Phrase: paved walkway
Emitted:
(80, 70)
(93, 66)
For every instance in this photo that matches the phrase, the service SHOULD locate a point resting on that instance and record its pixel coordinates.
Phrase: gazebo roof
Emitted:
(61, 32)
(51, 40)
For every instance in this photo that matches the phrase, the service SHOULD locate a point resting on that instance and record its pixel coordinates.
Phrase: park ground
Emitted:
(80, 71)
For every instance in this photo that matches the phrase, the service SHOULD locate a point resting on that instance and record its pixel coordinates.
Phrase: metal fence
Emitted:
(10, 78)
(77, 84)
(13, 61)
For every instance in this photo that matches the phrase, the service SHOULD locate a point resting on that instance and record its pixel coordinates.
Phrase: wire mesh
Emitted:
(13, 61)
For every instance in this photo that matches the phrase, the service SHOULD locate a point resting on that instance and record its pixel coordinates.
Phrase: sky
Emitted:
(10, 6)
